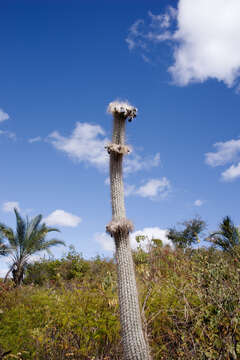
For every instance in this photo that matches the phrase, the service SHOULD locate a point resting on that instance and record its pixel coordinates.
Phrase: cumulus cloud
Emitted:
(35, 139)
(231, 173)
(226, 152)
(3, 115)
(107, 243)
(62, 218)
(205, 39)
(136, 162)
(87, 144)
(9, 206)
(152, 189)
(198, 202)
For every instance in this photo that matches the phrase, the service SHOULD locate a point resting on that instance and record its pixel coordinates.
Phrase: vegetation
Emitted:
(3, 247)
(28, 239)
(189, 235)
(227, 238)
(68, 308)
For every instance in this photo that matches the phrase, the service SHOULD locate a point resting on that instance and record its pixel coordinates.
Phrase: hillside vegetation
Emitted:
(68, 308)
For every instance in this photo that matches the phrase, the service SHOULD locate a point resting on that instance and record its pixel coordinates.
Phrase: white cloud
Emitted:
(135, 34)
(3, 115)
(232, 173)
(9, 206)
(135, 162)
(107, 242)
(35, 139)
(10, 135)
(129, 189)
(150, 233)
(62, 218)
(208, 41)
(154, 188)
(198, 202)
(226, 152)
(205, 40)
(85, 144)
(141, 34)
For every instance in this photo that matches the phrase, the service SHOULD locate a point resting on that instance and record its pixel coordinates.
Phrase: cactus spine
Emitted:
(135, 346)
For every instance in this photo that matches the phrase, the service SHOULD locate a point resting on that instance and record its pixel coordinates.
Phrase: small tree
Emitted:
(227, 238)
(189, 235)
(28, 239)
(135, 346)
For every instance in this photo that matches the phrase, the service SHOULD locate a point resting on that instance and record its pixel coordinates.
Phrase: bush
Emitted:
(191, 300)
(59, 324)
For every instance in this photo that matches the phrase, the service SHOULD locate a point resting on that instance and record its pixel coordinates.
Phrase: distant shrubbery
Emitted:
(68, 308)
(72, 266)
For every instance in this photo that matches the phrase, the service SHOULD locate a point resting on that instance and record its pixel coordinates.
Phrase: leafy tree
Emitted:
(28, 239)
(189, 235)
(227, 237)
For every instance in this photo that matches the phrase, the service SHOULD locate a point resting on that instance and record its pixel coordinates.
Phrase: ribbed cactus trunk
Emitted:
(135, 346)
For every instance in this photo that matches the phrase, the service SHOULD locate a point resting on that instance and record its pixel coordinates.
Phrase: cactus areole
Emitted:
(135, 346)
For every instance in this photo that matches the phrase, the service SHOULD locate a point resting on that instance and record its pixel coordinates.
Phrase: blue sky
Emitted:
(62, 62)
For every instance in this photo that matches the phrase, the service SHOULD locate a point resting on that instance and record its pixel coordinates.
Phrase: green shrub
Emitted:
(49, 324)
(191, 300)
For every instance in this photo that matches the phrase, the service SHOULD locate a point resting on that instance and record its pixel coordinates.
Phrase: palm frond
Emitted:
(49, 243)
(8, 233)
(21, 229)
(32, 226)
(4, 249)
(227, 237)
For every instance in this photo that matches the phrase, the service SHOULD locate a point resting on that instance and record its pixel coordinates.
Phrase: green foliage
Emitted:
(52, 324)
(3, 247)
(73, 266)
(227, 237)
(189, 235)
(191, 301)
(28, 239)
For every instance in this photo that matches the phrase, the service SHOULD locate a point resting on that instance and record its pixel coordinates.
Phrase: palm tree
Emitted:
(227, 237)
(28, 239)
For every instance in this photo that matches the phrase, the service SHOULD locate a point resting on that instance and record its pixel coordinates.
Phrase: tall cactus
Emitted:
(135, 346)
